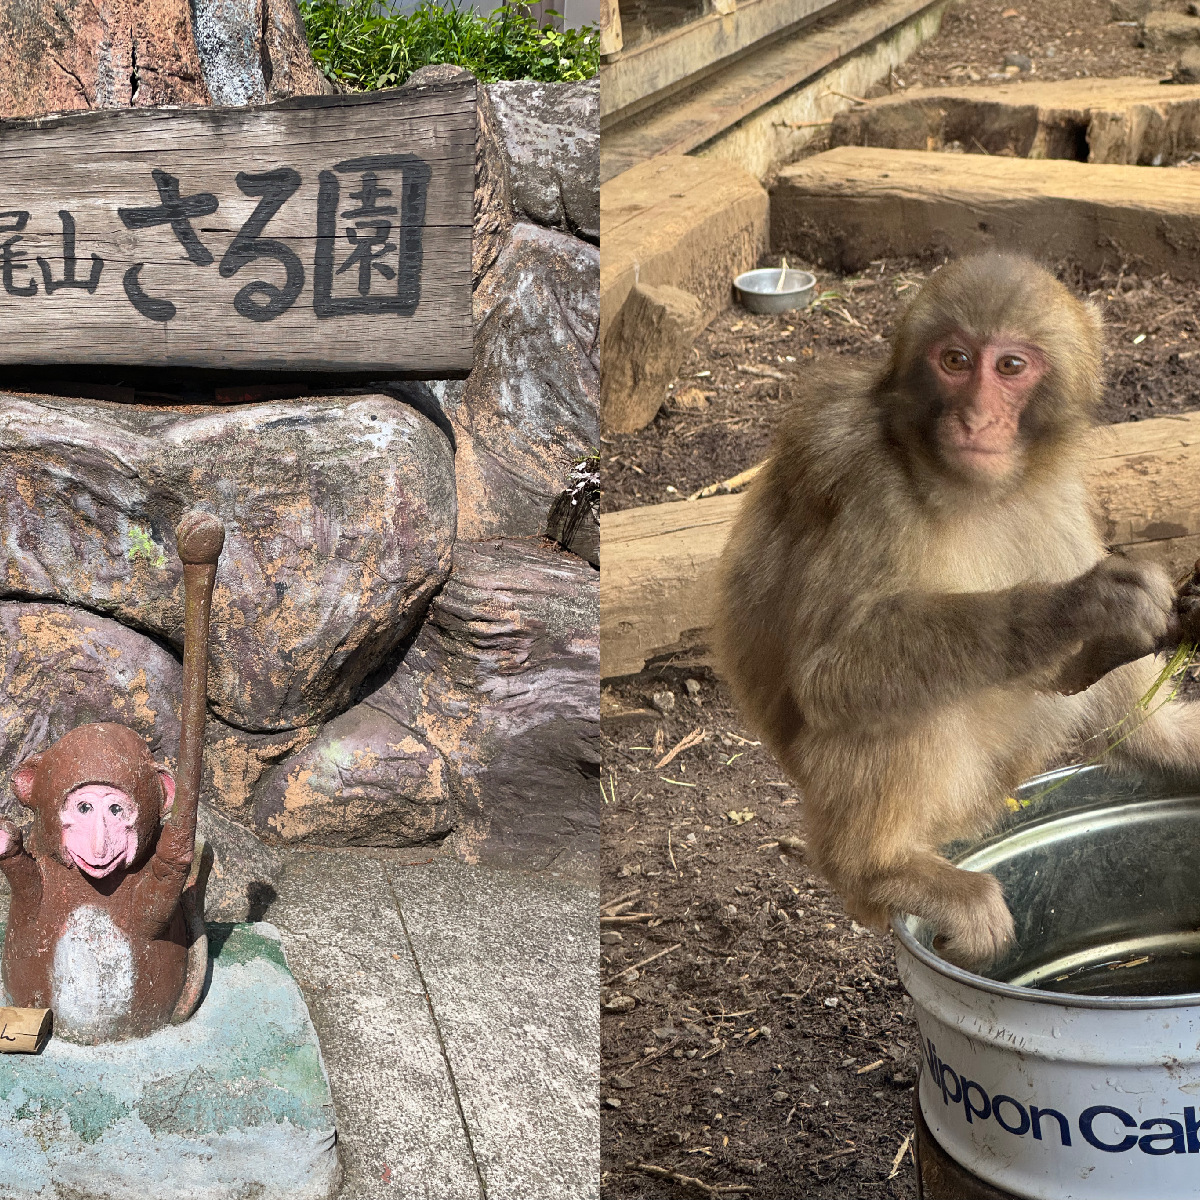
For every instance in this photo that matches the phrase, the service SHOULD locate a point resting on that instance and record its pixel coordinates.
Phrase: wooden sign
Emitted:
(328, 233)
(24, 1030)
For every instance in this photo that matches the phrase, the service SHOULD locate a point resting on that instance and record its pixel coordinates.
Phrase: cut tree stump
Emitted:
(848, 206)
(657, 585)
(1131, 121)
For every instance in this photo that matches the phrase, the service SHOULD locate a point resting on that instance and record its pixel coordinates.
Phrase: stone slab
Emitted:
(1128, 120)
(850, 205)
(509, 961)
(687, 222)
(233, 1103)
(400, 1131)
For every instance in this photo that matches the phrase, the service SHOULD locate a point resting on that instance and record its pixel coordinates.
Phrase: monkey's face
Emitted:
(99, 829)
(983, 389)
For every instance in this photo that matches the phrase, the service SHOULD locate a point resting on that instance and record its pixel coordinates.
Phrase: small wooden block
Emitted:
(24, 1030)
(322, 233)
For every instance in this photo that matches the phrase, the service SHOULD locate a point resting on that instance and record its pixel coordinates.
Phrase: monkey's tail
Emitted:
(193, 912)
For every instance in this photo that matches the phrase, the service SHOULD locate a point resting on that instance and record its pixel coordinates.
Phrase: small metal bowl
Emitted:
(756, 290)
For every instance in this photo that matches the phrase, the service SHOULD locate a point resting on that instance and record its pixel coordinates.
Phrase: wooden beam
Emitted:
(656, 587)
(328, 233)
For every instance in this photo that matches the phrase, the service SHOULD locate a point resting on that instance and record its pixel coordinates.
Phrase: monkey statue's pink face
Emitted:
(985, 387)
(99, 828)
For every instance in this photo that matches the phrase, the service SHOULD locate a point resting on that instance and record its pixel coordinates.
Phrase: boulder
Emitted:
(255, 50)
(551, 138)
(527, 412)
(487, 731)
(121, 54)
(643, 352)
(367, 780)
(504, 678)
(339, 516)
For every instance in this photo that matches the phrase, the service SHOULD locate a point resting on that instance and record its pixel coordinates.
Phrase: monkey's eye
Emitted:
(1010, 364)
(85, 807)
(115, 809)
(956, 360)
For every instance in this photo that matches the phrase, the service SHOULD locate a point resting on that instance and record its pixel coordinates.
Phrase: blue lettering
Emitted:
(943, 1072)
(1090, 1114)
(1174, 1137)
(971, 1110)
(1022, 1126)
(1193, 1130)
(1064, 1126)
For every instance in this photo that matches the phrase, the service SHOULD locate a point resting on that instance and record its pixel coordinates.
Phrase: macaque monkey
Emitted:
(97, 931)
(916, 610)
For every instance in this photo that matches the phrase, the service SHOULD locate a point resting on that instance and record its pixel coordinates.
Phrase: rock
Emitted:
(551, 138)
(367, 780)
(493, 191)
(339, 516)
(504, 680)
(120, 54)
(1187, 69)
(236, 1096)
(250, 55)
(241, 883)
(1165, 31)
(643, 352)
(527, 412)
(574, 522)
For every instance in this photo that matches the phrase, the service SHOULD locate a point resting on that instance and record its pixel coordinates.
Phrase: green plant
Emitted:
(364, 46)
(141, 546)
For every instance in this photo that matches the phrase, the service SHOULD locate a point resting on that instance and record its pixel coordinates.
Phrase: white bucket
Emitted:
(1057, 1096)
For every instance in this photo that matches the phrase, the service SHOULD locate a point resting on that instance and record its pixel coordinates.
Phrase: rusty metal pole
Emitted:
(199, 537)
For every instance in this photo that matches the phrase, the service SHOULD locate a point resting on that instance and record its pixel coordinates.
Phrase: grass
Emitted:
(364, 46)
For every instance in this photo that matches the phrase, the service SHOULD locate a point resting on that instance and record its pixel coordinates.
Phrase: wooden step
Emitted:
(1128, 120)
(723, 98)
(853, 204)
(657, 584)
(688, 222)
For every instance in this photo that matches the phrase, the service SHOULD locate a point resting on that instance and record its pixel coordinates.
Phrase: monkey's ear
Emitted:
(22, 779)
(168, 789)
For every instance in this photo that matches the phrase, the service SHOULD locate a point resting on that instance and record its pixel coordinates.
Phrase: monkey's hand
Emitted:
(1118, 611)
(10, 839)
(1187, 608)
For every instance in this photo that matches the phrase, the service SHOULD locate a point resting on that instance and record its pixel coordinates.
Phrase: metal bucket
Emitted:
(1090, 1089)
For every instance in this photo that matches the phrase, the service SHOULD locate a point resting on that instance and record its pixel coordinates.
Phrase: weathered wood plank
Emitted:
(320, 233)
(656, 587)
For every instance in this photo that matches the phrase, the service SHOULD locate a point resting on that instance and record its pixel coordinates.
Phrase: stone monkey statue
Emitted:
(100, 923)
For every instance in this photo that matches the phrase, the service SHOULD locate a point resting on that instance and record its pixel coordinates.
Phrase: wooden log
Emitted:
(656, 587)
(24, 1030)
(322, 233)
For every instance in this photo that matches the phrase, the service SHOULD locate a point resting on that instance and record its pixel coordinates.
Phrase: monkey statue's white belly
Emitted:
(91, 984)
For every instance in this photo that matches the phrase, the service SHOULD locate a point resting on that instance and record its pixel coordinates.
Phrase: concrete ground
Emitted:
(456, 1009)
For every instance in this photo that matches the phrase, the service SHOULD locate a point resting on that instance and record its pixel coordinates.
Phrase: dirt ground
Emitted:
(770, 1045)
(767, 1049)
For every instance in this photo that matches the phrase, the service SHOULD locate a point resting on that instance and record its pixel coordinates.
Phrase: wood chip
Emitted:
(692, 739)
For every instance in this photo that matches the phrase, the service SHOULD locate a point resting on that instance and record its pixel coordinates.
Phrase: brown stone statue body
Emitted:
(100, 929)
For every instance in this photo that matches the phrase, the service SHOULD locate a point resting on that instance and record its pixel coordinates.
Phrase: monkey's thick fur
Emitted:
(913, 639)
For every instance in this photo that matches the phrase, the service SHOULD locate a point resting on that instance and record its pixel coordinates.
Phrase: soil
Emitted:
(772, 1045)
(768, 1046)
